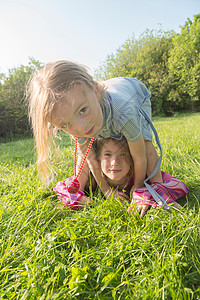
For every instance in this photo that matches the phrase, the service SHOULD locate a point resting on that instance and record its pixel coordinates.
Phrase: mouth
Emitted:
(115, 171)
(90, 131)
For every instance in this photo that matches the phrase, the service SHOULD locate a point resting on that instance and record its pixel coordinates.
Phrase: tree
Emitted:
(13, 110)
(119, 63)
(150, 66)
(184, 64)
(145, 59)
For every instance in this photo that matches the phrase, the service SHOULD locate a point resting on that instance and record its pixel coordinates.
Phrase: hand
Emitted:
(83, 201)
(142, 208)
(116, 194)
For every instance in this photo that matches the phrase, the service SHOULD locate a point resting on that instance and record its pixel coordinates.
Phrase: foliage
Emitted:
(13, 111)
(150, 66)
(167, 63)
(101, 252)
(145, 59)
(184, 63)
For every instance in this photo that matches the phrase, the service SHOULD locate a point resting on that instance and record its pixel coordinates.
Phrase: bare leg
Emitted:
(152, 158)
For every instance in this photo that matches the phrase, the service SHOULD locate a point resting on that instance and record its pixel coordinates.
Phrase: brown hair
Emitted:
(45, 88)
(123, 143)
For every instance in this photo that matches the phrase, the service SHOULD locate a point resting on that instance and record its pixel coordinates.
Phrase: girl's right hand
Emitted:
(84, 201)
(116, 194)
(141, 208)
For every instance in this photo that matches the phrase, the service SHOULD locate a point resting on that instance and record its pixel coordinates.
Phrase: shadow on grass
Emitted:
(177, 115)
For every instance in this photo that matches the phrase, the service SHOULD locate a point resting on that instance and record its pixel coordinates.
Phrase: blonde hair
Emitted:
(45, 88)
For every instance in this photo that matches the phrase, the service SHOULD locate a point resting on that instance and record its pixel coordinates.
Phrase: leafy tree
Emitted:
(184, 64)
(145, 59)
(13, 110)
(120, 63)
(150, 66)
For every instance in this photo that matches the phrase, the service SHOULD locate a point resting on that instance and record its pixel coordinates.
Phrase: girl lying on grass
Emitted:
(118, 170)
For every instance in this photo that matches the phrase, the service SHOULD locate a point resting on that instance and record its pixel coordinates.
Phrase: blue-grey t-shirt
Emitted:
(120, 107)
(127, 112)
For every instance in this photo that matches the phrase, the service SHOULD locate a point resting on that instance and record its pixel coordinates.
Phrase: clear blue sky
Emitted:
(85, 31)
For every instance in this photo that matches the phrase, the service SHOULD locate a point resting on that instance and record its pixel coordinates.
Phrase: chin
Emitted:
(116, 180)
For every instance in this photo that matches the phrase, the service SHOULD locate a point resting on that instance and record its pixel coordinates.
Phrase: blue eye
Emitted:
(123, 154)
(107, 154)
(83, 110)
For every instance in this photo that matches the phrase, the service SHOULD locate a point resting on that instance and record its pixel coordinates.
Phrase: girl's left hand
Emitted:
(83, 201)
(142, 208)
(116, 194)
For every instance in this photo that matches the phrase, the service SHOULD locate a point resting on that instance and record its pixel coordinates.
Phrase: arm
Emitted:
(138, 152)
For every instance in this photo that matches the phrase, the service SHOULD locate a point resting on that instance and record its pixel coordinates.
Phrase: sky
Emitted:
(84, 31)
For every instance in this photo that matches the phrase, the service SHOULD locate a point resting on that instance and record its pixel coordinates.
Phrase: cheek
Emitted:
(126, 163)
(104, 165)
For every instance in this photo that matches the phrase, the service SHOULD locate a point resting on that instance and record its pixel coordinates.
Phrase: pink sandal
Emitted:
(70, 200)
(170, 190)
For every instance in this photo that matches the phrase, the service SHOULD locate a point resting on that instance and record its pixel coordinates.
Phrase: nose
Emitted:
(115, 160)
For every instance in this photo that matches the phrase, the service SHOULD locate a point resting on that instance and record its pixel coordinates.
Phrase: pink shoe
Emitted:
(70, 200)
(171, 189)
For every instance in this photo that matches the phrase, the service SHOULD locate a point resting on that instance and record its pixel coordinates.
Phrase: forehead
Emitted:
(68, 102)
(114, 146)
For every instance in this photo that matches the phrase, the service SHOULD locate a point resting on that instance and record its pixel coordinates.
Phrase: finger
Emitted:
(139, 208)
(132, 208)
(142, 212)
(123, 195)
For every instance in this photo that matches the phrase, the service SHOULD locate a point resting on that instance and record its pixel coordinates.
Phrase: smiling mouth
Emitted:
(90, 131)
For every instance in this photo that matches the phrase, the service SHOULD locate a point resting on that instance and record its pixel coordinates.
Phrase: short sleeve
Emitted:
(131, 131)
(130, 122)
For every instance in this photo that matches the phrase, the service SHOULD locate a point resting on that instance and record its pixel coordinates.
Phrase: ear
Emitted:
(98, 90)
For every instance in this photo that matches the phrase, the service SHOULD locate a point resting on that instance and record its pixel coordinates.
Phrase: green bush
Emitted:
(167, 63)
(13, 110)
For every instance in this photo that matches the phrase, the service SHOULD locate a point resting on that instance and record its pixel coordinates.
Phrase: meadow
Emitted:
(48, 251)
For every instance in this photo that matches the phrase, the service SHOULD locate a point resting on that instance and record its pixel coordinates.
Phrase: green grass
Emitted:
(101, 252)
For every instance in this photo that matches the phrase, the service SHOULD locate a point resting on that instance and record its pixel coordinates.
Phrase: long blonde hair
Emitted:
(44, 89)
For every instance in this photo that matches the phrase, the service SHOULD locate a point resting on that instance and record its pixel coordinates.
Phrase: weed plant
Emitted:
(48, 251)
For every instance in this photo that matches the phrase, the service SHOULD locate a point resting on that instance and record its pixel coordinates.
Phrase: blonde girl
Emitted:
(63, 95)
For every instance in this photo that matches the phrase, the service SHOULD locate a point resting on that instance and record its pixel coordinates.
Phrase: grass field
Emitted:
(102, 252)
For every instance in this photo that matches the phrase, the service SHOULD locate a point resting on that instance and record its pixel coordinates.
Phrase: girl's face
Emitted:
(79, 112)
(115, 161)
